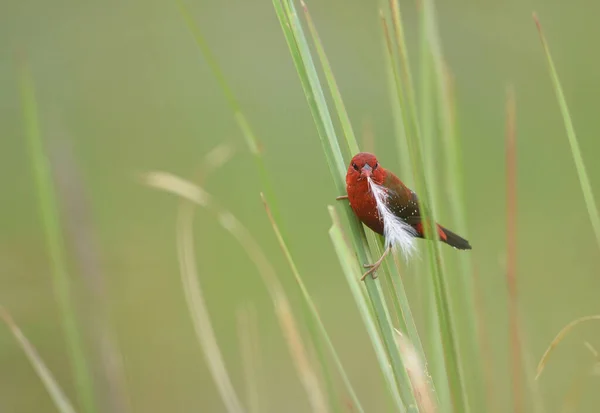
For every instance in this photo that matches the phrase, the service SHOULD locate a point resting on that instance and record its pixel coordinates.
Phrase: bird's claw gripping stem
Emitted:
(339, 198)
(374, 267)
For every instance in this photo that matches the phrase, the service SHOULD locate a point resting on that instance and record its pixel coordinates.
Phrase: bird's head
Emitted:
(364, 165)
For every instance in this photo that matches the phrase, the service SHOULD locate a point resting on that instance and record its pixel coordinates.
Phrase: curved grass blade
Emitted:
(199, 312)
(560, 337)
(193, 291)
(584, 180)
(193, 193)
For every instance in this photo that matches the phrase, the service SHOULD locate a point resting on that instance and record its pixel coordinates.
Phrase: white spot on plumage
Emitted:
(397, 233)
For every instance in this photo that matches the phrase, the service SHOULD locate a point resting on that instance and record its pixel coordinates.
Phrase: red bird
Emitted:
(387, 206)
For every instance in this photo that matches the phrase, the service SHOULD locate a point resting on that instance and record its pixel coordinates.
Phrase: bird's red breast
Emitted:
(361, 198)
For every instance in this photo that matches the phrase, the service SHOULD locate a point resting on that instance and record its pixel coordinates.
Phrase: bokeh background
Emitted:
(125, 85)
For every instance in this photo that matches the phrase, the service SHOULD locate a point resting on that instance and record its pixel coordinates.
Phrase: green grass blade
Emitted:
(428, 123)
(450, 141)
(302, 58)
(584, 180)
(400, 300)
(316, 327)
(333, 87)
(425, 186)
(309, 79)
(62, 403)
(240, 118)
(350, 269)
(49, 213)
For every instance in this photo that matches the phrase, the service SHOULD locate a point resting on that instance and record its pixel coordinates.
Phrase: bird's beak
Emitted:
(366, 170)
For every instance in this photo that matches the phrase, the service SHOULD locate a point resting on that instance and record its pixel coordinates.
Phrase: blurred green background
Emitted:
(125, 84)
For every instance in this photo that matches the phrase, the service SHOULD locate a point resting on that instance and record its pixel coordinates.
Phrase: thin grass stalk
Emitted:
(471, 343)
(455, 186)
(428, 124)
(353, 147)
(316, 326)
(397, 116)
(351, 142)
(454, 173)
(560, 337)
(79, 233)
(511, 248)
(406, 173)
(299, 353)
(199, 312)
(193, 193)
(61, 401)
(350, 269)
(399, 298)
(249, 346)
(192, 288)
(240, 119)
(486, 350)
(55, 243)
(451, 353)
(584, 181)
(309, 79)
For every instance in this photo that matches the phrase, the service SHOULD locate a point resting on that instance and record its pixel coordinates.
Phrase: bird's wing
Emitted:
(402, 201)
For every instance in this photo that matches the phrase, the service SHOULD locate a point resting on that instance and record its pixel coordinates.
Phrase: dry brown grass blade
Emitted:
(417, 374)
(307, 374)
(559, 337)
(250, 351)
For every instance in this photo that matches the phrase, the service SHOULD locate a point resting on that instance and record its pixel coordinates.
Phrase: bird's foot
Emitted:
(374, 267)
(339, 198)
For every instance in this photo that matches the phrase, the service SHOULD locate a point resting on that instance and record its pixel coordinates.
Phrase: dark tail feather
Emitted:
(452, 239)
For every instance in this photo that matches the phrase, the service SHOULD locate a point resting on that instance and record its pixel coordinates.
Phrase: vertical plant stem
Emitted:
(48, 209)
(240, 119)
(584, 181)
(310, 82)
(62, 403)
(511, 248)
(442, 297)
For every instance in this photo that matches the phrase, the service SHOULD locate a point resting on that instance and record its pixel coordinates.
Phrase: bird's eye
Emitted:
(376, 165)
(355, 166)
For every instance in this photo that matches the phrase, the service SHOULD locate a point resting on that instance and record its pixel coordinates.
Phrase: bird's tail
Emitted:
(452, 239)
